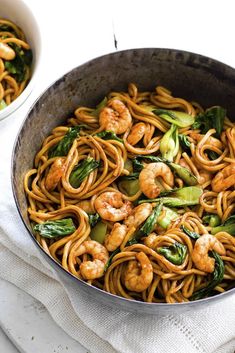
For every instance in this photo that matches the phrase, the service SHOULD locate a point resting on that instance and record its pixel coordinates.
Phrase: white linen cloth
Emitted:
(97, 327)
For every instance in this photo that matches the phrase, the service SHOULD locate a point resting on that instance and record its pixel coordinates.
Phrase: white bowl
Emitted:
(18, 12)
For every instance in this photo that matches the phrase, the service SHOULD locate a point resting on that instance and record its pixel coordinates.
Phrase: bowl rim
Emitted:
(191, 304)
(18, 102)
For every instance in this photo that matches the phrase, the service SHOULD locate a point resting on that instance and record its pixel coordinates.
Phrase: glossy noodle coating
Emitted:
(136, 196)
(15, 62)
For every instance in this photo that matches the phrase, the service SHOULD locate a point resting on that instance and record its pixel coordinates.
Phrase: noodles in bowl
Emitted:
(15, 62)
(136, 196)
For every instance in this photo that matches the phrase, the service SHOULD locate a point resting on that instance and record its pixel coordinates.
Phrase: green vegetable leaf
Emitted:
(2, 104)
(138, 166)
(108, 135)
(82, 170)
(216, 278)
(98, 232)
(184, 143)
(213, 220)
(190, 233)
(94, 219)
(184, 174)
(175, 253)
(99, 107)
(63, 147)
(7, 28)
(150, 223)
(169, 216)
(187, 196)
(17, 67)
(132, 176)
(57, 228)
(148, 226)
(130, 186)
(228, 226)
(212, 155)
(212, 118)
(178, 118)
(169, 145)
(230, 220)
(108, 263)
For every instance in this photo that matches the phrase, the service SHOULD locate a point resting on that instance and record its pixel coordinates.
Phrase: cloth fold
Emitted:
(97, 327)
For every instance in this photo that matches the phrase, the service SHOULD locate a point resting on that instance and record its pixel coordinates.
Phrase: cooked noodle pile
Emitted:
(15, 62)
(136, 196)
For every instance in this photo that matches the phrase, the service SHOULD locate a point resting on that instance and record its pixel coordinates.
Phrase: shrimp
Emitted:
(149, 241)
(148, 178)
(200, 252)
(115, 238)
(138, 215)
(112, 207)
(115, 117)
(139, 274)
(224, 179)
(136, 133)
(6, 52)
(55, 173)
(93, 269)
(210, 140)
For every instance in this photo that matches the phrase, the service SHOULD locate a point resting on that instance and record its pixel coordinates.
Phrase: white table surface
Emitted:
(73, 32)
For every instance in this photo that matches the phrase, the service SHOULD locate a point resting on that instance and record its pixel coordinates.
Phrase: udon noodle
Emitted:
(136, 196)
(15, 62)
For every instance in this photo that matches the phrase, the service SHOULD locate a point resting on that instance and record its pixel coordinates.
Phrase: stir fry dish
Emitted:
(136, 196)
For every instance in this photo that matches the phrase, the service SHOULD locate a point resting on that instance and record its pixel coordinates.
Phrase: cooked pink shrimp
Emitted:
(149, 241)
(115, 238)
(139, 274)
(6, 52)
(138, 215)
(112, 207)
(200, 251)
(224, 179)
(136, 134)
(148, 178)
(115, 117)
(55, 173)
(93, 269)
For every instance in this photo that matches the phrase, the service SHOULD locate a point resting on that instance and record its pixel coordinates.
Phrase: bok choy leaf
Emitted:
(108, 135)
(93, 219)
(212, 118)
(213, 220)
(178, 118)
(228, 226)
(63, 147)
(187, 196)
(169, 145)
(57, 228)
(82, 170)
(148, 226)
(190, 233)
(215, 279)
(175, 253)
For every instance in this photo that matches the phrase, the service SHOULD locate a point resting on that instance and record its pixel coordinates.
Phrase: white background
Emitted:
(74, 31)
